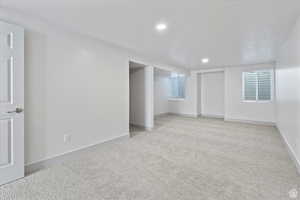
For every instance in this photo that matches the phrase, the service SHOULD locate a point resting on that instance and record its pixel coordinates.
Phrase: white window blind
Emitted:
(177, 82)
(258, 85)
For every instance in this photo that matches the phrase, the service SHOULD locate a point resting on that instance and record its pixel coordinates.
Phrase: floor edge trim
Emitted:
(291, 152)
(47, 162)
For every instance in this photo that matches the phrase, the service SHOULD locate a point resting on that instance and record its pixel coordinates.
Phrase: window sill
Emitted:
(176, 99)
(269, 101)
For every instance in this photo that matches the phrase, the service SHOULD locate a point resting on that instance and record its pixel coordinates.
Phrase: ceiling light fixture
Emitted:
(205, 60)
(161, 27)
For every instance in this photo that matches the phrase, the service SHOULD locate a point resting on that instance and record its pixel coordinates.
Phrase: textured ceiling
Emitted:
(229, 32)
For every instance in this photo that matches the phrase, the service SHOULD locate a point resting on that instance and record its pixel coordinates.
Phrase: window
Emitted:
(258, 85)
(177, 83)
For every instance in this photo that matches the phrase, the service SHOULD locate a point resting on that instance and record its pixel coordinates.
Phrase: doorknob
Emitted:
(18, 110)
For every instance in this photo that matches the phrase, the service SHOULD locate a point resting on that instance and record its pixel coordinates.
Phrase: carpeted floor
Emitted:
(182, 159)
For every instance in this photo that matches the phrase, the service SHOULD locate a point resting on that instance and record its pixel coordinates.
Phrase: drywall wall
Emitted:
(288, 92)
(198, 94)
(235, 107)
(137, 97)
(161, 92)
(74, 85)
(212, 94)
(149, 95)
(188, 105)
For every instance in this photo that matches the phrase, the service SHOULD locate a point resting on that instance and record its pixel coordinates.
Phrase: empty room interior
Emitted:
(149, 100)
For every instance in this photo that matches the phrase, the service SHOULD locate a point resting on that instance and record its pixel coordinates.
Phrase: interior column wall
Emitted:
(149, 95)
(199, 94)
(161, 92)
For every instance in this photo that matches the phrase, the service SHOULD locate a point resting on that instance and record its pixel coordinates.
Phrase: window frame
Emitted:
(172, 98)
(257, 100)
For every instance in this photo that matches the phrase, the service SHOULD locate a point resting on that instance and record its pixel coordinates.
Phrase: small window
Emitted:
(177, 83)
(257, 85)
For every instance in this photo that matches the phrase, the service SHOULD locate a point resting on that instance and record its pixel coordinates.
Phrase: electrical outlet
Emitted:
(67, 138)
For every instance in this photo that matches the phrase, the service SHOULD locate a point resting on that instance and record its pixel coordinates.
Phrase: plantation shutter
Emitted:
(264, 85)
(250, 83)
(258, 85)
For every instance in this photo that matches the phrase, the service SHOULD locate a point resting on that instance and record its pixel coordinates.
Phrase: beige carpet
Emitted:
(182, 159)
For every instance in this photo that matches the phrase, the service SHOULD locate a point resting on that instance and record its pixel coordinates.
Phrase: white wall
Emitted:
(73, 85)
(161, 92)
(235, 107)
(288, 91)
(212, 94)
(187, 106)
(137, 97)
(198, 97)
(149, 94)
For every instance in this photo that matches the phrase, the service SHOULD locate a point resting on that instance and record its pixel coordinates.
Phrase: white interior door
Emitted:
(11, 102)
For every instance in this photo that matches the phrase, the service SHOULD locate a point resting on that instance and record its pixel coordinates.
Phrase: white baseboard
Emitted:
(250, 122)
(184, 114)
(142, 127)
(50, 161)
(212, 116)
(161, 115)
(290, 150)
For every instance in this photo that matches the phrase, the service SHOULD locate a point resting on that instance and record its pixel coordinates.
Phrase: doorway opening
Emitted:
(141, 115)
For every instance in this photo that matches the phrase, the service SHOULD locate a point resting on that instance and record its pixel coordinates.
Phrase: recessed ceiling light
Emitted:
(205, 60)
(161, 26)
